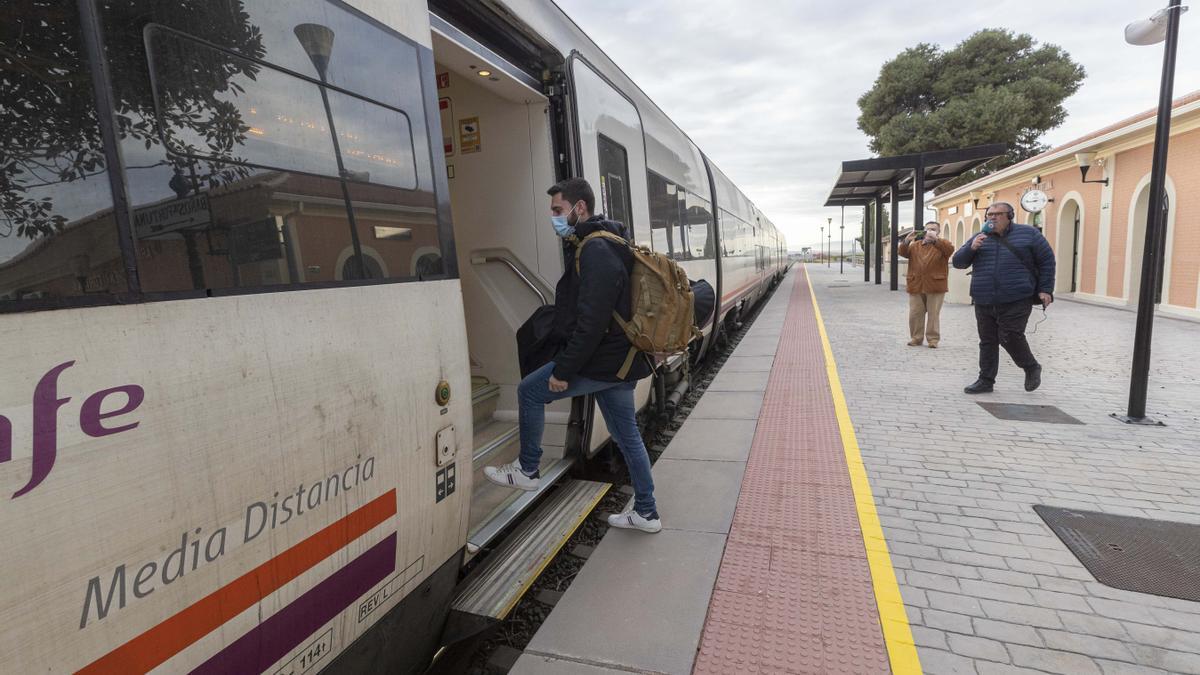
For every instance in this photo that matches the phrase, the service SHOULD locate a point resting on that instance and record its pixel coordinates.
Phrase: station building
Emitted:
(1098, 228)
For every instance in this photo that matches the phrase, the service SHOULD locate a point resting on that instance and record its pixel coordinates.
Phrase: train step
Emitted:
(496, 586)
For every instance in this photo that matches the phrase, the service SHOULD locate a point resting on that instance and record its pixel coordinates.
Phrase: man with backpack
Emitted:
(593, 302)
(1013, 269)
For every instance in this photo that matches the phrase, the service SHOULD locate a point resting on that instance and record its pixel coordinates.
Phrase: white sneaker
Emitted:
(632, 520)
(511, 475)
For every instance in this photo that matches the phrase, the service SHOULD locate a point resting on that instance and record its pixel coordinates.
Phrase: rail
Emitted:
(512, 265)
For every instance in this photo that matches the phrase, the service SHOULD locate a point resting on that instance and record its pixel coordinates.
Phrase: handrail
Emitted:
(512, 265)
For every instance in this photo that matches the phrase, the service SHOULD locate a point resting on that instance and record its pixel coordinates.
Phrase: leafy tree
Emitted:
(993, 87)
(49, 133)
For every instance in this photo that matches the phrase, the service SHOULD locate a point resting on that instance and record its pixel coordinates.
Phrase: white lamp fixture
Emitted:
(1150, 31)
(1085, 160)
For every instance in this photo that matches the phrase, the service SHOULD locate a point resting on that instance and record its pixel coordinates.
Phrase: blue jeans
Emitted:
(620, 415)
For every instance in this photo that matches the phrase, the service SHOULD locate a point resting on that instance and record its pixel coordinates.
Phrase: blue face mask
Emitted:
(562, 226)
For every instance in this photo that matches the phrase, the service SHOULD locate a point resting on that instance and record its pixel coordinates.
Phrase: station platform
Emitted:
(771, 558)
(836, 503)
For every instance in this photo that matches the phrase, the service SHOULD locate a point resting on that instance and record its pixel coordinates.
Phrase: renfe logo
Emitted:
(45, 421)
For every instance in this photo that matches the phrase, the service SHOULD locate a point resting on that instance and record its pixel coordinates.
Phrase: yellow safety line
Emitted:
(546, 562)
(902, 651)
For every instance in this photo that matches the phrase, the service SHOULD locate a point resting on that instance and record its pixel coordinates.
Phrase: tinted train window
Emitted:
(614, 182)
(269, 143)
(58, 238)
(699, 226)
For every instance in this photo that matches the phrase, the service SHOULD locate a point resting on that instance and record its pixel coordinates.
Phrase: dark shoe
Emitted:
(1033, 378)
(979, 387)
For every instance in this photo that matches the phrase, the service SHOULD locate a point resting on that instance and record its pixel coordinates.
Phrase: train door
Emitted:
(610, 152)
(496, 138)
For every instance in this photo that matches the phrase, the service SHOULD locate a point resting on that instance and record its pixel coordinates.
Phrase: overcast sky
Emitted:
(768, 88)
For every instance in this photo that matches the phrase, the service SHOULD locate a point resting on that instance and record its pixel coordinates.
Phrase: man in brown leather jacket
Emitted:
(928, 265)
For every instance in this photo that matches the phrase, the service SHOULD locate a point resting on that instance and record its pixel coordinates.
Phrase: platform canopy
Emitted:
(863, 181)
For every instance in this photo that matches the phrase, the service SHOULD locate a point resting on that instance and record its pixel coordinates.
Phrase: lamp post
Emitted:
(829, 245)
(842, 243)
(317, 42)
(821, 245)
(1164, 25)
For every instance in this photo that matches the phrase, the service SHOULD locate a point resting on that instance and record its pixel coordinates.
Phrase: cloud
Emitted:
(768, 89)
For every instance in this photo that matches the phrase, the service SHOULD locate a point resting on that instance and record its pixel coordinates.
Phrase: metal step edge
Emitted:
(484, 392)
(495, 444)
(484, 535)
(510, 571)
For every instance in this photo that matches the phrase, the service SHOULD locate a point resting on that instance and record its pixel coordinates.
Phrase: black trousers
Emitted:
(1003, 326)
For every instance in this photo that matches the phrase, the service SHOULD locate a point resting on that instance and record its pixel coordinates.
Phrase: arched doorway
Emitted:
(959, 233)
(1069, 248)
(1136, 243)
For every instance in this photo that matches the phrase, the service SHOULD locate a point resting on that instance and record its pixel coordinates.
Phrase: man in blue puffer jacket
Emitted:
(1004, 281)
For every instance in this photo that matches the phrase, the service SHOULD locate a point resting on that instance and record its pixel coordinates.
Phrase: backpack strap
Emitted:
(598, 234)
(624, 370)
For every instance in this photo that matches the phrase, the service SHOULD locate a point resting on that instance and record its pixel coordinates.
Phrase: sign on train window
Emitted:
(614, 182)
(266, 117)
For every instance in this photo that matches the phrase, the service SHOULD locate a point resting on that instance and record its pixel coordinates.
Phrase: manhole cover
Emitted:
(1022, 412)
(1159, 557)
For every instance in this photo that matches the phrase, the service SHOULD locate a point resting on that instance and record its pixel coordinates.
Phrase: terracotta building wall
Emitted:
(1131, 166)
(1183, 163)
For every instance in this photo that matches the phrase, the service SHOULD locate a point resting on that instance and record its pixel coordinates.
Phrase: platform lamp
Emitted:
(317, 42)
(842, 243)
(1164, 25)
(821, 244)
(1085, 161)
(829, 245)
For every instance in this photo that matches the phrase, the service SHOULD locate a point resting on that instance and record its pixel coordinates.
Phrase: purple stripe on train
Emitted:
(272, 639)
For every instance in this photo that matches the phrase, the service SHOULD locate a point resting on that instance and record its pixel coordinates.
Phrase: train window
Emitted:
(227, 112)
(699, 225)
(58, 237)
(670, 219)
(374, 143)
(614, 182)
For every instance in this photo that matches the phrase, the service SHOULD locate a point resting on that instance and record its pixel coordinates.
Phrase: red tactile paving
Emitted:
(794, 591)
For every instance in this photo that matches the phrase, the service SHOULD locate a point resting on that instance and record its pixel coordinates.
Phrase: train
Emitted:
(261, 269)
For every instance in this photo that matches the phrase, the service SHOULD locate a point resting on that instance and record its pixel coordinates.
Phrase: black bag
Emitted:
(1037, 298)
(537, 344)
(704, 301)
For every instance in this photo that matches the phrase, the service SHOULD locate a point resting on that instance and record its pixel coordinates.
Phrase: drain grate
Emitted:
(1159, 557)
(1022, 412)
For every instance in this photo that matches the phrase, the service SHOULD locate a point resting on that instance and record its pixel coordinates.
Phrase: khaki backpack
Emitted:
(663, 320)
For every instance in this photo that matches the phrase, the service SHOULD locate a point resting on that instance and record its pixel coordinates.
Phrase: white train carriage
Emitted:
(253, 364)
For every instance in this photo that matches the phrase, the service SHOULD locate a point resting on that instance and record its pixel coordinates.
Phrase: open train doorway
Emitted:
(496, 136)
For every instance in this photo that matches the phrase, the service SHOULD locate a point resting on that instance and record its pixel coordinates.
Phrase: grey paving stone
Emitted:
(756, 346)
(697, 495)
(728, 405)
(1172, 661)
(1086, 644)
(1119, 668)
(1033, 616)
(726, 440)
(947, 621)
(746, 364)
(739, 381)
(938, 662)
(978, 648)
(536, 664)
(951, 602)
(651, 606)
(1166, 638)
(1007, 632)
(1052, 661)
(1090, 624)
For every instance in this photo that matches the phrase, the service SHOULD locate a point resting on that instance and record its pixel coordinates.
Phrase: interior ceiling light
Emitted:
(484, 73)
